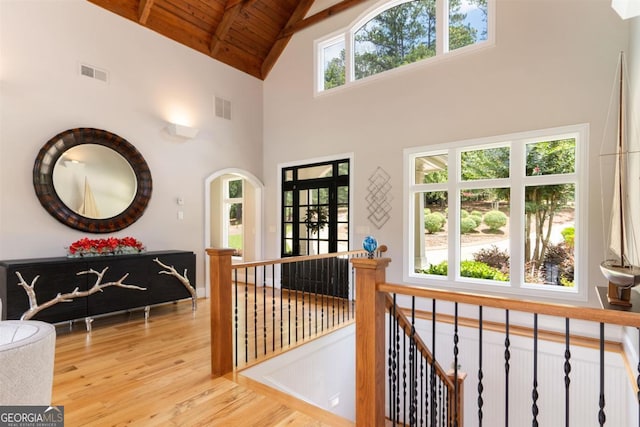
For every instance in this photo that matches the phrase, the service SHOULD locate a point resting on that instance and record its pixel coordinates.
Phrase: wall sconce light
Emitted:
(626, 8)
(183, 131)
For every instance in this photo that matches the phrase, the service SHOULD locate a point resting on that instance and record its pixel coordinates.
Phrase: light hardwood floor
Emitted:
(157, 373)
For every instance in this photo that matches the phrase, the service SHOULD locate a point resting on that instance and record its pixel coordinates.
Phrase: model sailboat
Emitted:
(622, 272)
(88, 208)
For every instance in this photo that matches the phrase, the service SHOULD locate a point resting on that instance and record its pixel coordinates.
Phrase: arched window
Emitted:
(398, 33)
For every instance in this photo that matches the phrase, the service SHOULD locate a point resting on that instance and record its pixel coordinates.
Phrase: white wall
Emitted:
(552, 65)
(321, 372)
(631, 341)
(152, 80)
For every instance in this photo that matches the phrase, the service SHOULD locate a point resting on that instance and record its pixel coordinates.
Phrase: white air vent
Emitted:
(223, 108)
(94, 73)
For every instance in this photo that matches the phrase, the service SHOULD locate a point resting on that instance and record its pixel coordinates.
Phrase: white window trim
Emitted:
(517, 182)
(442, 51)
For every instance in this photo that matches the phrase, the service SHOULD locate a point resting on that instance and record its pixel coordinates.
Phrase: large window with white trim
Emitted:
(400, 32)
(505, 213)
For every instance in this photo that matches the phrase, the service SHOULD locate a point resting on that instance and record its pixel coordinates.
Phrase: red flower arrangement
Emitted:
(108, 246)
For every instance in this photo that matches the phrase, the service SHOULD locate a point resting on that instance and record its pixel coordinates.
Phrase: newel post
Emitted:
(221, 311)
(370, 341)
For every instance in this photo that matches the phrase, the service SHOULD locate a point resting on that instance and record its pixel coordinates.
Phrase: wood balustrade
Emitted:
(373, 291)
(268, 316)
(374, 356)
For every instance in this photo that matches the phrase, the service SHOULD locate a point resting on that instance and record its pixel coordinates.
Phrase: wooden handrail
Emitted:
(250, 264)
(614, 317)
(405, 324)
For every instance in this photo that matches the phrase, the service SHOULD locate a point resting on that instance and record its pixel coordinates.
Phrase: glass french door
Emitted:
(315, 208)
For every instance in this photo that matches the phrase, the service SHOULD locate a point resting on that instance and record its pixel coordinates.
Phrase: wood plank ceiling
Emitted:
(248, 35)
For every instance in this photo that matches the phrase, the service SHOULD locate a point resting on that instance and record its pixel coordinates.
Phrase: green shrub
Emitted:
(467, 225)
(477, 219)
(463, 213)
(569, 235)
(434, 222)
(427, 211)
(476, 213)
(441, 216)
(495, 220)
(436, 269)
(480, 270)
(474, 269)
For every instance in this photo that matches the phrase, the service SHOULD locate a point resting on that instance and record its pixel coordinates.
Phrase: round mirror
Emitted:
(92, 180)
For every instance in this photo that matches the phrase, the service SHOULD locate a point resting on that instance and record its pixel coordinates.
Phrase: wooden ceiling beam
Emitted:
(144, 9)
(281, 42)
(290, 30)
(231, 11)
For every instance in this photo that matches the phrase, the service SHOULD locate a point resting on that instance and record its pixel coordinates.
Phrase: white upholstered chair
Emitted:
(27, 351)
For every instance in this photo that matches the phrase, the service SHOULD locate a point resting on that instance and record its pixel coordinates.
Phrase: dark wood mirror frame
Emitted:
(43, 179)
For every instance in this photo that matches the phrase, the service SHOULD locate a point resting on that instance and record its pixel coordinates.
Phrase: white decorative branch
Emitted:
(35, 308)
(170, 270)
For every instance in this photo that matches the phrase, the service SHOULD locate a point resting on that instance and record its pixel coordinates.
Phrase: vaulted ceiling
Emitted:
(248, 35)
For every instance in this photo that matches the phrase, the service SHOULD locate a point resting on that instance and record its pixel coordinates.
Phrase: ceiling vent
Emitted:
(94, 73)
(223, 108)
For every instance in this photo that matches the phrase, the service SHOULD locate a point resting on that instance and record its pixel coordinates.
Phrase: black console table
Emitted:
(147, 283)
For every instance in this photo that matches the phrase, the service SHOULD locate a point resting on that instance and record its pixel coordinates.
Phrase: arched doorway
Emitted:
(233, 215)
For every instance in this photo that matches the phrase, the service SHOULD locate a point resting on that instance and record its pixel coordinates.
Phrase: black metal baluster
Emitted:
(246, 316)
(392, 316)
(264, 307)
(302, 319)
(290, 281)
(235, 311)
(456, 391)
(315, 262)
(412, 364)
(427, 392)
(434, 407)
(534, 393)
(404, 377)
(601, 415)
(397, 375)
(507, 357)
(324, 289)
(353, 295)
(480, 373)
(273, 307)
(339, 279)
(422, 394)
(255, 312)
(442, 405)
(567, 370)
(315, 295)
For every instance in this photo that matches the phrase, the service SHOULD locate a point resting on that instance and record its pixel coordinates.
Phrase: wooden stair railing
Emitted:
(370, 347)
(264, 323)
(372, 300)
(452, 379)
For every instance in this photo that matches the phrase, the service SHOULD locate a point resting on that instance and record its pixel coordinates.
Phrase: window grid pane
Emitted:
(549, 253)
(467, 23)
(539, 207)
(484, 234)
